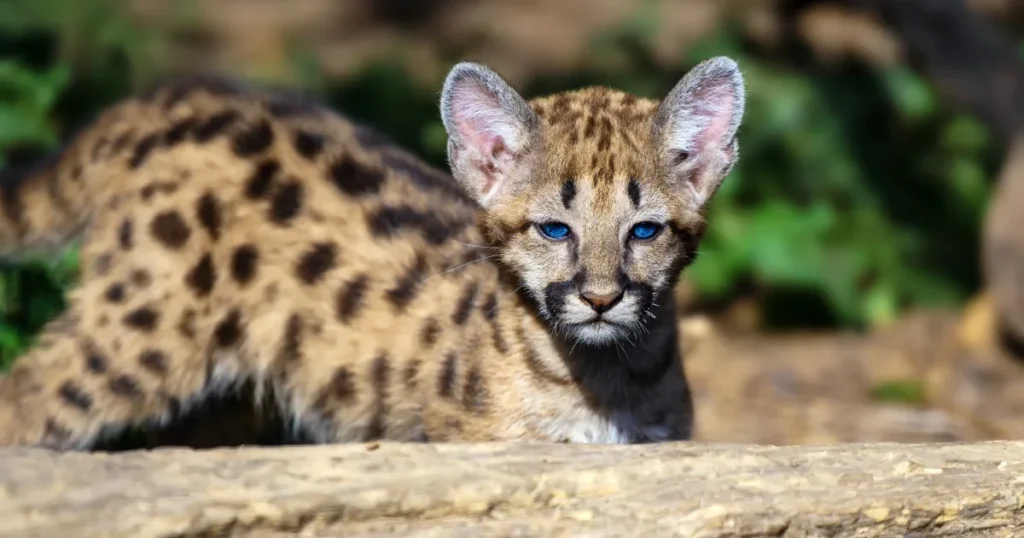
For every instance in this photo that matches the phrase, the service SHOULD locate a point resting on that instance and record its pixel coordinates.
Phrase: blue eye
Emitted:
(645, 230)
(554, 230)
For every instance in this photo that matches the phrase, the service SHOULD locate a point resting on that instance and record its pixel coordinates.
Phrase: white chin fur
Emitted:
(597, 334)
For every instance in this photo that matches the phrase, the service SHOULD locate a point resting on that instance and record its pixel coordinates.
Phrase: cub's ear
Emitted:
(696, 126)
(490, 128)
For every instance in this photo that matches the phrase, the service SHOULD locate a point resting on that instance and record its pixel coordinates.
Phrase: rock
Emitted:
(1003, 243)
(672, 489)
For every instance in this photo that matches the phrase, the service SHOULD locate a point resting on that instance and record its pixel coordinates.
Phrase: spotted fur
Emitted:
(232, 233)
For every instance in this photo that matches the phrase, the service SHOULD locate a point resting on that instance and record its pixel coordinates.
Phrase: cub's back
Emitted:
(233, 233)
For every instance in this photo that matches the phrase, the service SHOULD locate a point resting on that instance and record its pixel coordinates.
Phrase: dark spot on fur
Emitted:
(588, 129)
(411, 371)
(202, 276)
(407, 286)
(95, 362)
(355, 179)
(176, 133)
(124, 234)
(141, 278)
(474, 392)
(604, 143)
(115, 293)
(215, 125)
(633, 189)
(446, 378)
(490, 311)
(243, 263)
(261, 179)
(142, 150)
(142, 319)
(208, 213)
(316, 262)
(154, 361)
(158, 187)
(56, 431)
(464, 307)
(351, 297)
(170, 229)
(380, 372)
(490, 306)
(186, 325)
(102, 264)
(308, 144)
(75, 396)
(430, 332)
(121, 141)
(126, 386)
(291, 342)
(342, 386)
(389, 221)
(286, 202)
(254, 139)
(229, 330)
(568, 192)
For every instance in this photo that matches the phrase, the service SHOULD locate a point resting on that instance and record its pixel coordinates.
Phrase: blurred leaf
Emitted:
(912, 96)
(900, 391)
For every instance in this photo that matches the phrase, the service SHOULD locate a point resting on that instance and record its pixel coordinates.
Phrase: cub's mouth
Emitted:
(598, 331)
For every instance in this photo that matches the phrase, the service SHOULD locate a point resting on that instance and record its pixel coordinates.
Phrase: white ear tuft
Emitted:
(697, 124)
(489, 127)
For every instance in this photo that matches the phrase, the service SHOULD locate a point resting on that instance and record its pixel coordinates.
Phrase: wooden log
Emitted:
(673, 489)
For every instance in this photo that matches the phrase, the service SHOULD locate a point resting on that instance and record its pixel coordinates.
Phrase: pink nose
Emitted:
(601, 302)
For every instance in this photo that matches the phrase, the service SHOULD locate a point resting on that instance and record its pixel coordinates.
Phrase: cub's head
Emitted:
(595, 197)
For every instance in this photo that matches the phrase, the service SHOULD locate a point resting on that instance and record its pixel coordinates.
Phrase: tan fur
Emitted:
(351, 281)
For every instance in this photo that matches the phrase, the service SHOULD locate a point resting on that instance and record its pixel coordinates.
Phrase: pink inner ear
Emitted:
(486, 150)
(478, 117)
(480, 123)
(715, 104)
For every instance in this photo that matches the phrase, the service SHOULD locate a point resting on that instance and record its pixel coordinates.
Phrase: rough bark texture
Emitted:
(537, 490)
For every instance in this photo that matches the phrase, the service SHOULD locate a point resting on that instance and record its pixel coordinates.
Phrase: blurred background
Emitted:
(854, 284)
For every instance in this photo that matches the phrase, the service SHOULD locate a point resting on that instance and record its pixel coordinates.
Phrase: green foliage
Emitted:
(899, 391)
(30, 294)
(27, 98)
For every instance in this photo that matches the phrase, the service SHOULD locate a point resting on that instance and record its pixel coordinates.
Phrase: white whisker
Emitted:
(465, 264)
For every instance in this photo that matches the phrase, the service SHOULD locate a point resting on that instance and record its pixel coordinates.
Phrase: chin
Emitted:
(597, 333)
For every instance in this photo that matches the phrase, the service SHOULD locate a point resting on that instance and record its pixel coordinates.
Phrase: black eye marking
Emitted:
(633, 189)
(568, 192)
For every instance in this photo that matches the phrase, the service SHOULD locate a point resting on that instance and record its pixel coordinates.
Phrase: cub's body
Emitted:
(234, 234)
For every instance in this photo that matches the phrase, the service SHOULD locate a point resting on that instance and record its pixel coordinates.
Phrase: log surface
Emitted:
(673, 489)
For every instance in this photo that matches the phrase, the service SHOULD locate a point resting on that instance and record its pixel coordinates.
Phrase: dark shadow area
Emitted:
(228, 421)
